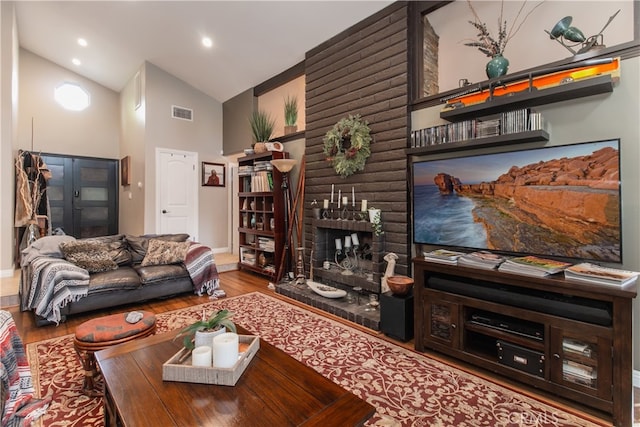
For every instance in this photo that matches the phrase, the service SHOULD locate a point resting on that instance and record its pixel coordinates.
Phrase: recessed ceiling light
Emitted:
(207, 42)
(82, 42)
(76, 61)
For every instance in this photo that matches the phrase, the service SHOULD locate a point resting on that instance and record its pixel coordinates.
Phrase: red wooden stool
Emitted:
(102, 332)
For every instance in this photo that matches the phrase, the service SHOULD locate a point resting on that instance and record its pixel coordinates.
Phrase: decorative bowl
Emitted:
(248, 151)
(400, 285)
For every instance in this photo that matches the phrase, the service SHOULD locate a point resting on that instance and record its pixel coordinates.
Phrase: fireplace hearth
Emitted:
(341, 307)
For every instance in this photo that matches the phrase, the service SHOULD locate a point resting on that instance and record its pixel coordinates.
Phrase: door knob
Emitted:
(165, 211)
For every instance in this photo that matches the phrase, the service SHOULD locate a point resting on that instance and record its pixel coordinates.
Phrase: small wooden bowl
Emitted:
(400, 285)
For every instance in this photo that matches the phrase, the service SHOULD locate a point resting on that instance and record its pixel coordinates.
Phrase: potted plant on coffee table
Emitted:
(203, 331)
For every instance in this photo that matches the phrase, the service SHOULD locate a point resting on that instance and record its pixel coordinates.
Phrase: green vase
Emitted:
(497, 67)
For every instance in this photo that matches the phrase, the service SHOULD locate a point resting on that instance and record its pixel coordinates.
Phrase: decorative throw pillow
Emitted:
(162, 252)
(92, 256)
(138, 244)
(116, 247)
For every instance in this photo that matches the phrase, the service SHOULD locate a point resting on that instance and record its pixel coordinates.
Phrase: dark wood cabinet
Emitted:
(570, 339)
(261, 200)
(83, 195)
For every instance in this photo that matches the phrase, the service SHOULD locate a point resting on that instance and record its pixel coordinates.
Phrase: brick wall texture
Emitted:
(364, 71)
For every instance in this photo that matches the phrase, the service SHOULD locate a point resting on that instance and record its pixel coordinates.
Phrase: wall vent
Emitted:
(181, 113)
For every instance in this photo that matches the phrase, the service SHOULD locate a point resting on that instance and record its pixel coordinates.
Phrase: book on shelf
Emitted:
(261, 181)
(481, 259)
(592, 273)
(533, 266)
(443, 256)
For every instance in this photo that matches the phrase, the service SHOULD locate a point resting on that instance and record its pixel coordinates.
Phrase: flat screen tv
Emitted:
(560, 201)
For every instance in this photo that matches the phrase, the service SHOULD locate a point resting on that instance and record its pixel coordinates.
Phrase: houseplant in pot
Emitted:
(290, 115)
(261, 128)
(203, 331)
(375, 218)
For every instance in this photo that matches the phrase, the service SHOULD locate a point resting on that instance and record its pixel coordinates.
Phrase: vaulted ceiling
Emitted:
(252, 40)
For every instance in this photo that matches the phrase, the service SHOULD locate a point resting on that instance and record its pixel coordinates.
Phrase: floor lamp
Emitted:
(284, 166)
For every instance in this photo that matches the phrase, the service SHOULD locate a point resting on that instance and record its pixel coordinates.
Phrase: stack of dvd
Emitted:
(262, 166)
(486, 128)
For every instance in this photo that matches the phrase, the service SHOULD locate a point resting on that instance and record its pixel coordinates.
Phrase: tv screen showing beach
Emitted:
(561, 201)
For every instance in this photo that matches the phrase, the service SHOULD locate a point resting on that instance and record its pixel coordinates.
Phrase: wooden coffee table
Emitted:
(275, 390)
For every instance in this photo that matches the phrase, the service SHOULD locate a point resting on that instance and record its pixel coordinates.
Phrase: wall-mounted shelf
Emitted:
(563, 92)
(492, 141)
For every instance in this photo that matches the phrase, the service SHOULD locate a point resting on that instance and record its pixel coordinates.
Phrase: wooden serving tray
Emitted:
(173, 370)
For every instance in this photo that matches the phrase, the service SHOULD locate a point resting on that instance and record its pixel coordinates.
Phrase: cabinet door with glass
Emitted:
(582, 362)
(441, 322)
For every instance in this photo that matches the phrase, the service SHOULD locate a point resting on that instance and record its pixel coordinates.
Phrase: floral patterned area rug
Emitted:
(407, 388)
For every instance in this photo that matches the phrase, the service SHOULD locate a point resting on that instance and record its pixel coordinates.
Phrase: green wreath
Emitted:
(347, 145)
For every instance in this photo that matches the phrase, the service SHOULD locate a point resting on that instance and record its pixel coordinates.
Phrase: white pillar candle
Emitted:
(363, 206)
(338, 245)
(347, 242)
(345, 201)
(325, 204)
(225, 350)
(339, 195)
(353, 196)
(331, 193)
(201, 356)
(354, 239)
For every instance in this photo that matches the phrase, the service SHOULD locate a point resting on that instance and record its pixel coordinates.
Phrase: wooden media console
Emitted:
(571, 339)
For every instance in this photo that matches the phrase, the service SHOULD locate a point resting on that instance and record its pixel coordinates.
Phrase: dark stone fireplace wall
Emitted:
(364, 70)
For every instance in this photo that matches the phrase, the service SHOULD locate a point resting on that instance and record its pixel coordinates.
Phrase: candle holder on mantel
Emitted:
(344, 214)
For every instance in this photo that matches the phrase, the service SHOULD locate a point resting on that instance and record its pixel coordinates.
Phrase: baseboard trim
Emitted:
(9, 300)
(636, 378)
(7, 273)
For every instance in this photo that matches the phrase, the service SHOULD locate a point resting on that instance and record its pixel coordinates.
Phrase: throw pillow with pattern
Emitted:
(162, 252)
(92, 256)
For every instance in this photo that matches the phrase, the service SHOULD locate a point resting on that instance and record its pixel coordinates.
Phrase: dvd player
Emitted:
(510, 325)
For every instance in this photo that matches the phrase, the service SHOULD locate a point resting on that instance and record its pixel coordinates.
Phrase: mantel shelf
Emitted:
(350, 225)
(563, 92)
(507, 139)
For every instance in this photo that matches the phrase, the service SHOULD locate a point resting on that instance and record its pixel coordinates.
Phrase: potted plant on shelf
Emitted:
(203, 331)
(290, 115)
(261, 128)
(376, 220)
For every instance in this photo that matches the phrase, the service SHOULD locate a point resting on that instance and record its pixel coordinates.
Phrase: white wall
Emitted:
(531, 46)
(44, 126)
(202, 135)
(133, 121)
(8, 127)
(273, 102)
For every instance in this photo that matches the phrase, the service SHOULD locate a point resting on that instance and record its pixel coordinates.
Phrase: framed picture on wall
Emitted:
(125, 171)
(213, 174)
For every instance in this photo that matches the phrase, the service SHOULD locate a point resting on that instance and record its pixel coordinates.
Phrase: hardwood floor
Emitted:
(237, 283)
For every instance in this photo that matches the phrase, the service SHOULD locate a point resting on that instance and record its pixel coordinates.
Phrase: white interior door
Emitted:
(177, 185)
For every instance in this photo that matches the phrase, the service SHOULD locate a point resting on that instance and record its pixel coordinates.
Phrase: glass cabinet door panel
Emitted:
(442, 322)
(582, 362)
